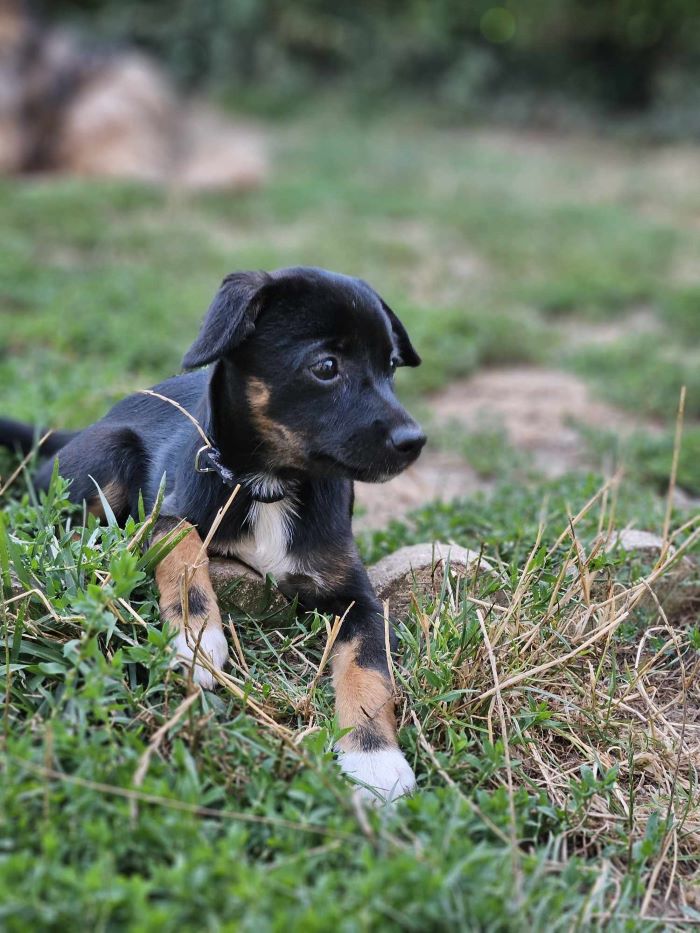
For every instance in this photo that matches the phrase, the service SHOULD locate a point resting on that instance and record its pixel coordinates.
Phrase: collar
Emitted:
(208, 459)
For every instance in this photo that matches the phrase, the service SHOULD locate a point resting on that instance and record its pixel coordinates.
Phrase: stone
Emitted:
(678, 590)
(420, 568)
(237, 587)
(633, 539)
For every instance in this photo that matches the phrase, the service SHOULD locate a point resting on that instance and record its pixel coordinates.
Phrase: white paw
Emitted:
(213, 643)
(386, 774)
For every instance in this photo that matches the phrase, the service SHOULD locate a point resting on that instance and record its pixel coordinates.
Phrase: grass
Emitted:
(550, 708)
(484, 246)
(548, 802)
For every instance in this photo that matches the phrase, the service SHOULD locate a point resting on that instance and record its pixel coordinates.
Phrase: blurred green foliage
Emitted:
(619, 54)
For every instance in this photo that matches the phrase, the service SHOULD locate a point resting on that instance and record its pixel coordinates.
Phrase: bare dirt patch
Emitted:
(540, 411)
(537, 408)
(639, 321)
(437, 476)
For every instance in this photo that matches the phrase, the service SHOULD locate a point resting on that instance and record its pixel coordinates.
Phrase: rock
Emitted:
(420, 568)
(239, 587)
(217, 153)
(91, 110)
(126, 121)
(632, 539)
(679, 588)
(121, 123)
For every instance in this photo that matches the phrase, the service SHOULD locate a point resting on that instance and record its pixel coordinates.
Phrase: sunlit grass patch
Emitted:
(641, 376)
(548, 706)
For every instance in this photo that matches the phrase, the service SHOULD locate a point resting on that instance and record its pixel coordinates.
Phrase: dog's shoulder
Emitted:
(145, 406)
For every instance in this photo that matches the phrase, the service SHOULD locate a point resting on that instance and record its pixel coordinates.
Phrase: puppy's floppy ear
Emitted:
(230, 318)
(407, 355)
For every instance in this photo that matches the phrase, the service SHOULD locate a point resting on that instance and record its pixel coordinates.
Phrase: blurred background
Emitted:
(520, 181)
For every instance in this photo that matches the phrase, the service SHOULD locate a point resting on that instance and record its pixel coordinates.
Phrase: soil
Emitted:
(538, 409)
(437, 476)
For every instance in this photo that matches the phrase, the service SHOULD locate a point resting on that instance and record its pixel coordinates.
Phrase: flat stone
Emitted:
(678, 590)
(634, 539)
(420, 568)
(238, 587)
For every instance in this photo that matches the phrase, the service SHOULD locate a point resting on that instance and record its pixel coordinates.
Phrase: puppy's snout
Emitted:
(408, 439)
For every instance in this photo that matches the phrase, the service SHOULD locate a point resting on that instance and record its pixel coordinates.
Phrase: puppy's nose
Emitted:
(408, 439)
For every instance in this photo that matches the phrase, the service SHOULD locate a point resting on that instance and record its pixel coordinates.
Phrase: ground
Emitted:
(549, 707)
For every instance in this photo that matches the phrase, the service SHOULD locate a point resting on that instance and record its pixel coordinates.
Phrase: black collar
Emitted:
(208, 459)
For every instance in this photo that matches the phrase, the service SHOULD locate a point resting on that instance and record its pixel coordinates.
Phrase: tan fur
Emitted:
(280, 438)
(363, 697)
(258, 394)
(117, 496)
(183, 568)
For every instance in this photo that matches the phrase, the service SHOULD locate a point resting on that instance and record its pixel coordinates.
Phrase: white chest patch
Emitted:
(266, 547)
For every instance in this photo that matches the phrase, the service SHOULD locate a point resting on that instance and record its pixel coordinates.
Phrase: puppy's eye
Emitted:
(325, 370)
(393, 363)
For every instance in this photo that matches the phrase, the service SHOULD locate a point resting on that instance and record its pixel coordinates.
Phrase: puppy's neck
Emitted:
(234, 427)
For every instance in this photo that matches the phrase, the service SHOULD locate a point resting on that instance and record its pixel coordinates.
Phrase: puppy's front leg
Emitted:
(364, 701)
(187, 599)
(364, 696)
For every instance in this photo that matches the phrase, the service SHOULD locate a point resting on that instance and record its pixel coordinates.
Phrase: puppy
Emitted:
(296, 401)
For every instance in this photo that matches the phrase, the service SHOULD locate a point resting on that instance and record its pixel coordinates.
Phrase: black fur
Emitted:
(230, 318)
(267, 413)
(197, 602)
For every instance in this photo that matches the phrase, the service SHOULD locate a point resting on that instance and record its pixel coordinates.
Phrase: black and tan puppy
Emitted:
(297, 401)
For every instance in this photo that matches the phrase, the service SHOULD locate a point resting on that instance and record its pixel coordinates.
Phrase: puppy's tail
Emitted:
(23, 437)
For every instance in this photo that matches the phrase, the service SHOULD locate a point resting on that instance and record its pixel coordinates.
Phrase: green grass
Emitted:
(481, 247)
(238, 824)
(489, 249)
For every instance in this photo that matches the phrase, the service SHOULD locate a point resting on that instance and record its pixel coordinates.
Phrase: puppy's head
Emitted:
(317, 352)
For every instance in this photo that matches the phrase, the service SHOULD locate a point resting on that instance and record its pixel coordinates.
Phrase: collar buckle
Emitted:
(197, 460)
(210, 455)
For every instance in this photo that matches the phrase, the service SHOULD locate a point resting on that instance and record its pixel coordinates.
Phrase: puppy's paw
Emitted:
(386, 774)
(213, 643)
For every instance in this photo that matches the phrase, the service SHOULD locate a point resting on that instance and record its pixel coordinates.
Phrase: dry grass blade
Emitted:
(629, 600)
(387, 647)
(555, 662)
(183, 411)
(672, 831)
(305, 702)
(506, 754)
(610, 484)
(674, 467)
(520, 589)
(238, 648)
(218, 518)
